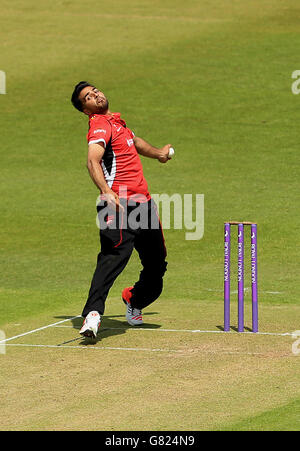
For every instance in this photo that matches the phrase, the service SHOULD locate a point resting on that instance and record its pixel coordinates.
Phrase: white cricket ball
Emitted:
(171, 152)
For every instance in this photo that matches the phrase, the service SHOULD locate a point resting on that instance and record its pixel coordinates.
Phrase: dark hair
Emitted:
(75, 96)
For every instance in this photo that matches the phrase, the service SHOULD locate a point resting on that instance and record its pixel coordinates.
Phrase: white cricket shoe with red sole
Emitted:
(91, 325)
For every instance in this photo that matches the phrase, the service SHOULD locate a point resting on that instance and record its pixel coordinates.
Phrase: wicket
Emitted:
(227, 230)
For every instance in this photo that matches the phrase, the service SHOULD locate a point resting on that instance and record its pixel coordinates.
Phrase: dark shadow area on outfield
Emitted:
(109, 327)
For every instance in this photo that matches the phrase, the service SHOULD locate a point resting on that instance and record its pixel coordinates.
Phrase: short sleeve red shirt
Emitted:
(121, 163)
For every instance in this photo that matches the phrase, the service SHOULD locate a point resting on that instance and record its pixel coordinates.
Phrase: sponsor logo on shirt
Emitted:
(99, 130)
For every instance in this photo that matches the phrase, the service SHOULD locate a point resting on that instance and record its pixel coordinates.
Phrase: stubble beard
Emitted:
(103, 106)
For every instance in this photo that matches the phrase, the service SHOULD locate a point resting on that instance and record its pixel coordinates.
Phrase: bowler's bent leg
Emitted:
(150, 246)
(116, 249)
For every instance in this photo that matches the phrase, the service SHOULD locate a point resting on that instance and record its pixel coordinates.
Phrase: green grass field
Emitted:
(214, 79)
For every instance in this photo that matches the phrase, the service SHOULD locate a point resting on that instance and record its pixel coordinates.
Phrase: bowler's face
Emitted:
(93, 101)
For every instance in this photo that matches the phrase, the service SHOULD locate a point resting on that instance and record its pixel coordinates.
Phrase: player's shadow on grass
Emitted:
(109, 327)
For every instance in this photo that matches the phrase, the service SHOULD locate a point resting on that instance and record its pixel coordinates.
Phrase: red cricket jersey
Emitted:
(121, 163)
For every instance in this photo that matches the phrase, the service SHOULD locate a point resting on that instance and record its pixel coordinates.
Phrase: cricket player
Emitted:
(114, 166)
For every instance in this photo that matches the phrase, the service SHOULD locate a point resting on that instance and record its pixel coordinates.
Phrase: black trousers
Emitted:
(138, 227)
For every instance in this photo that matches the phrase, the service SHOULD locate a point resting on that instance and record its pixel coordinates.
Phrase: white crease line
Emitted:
(93, 347)
(246, 289)
(37, 330)
(109, 348)
(284, 334)
(148, 329)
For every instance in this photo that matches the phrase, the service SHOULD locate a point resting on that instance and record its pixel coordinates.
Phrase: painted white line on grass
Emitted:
(110, 348)
(37, 330)
(280, 334)
(58, 324)
(200, 331)
(92, 347)
(246, 289)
